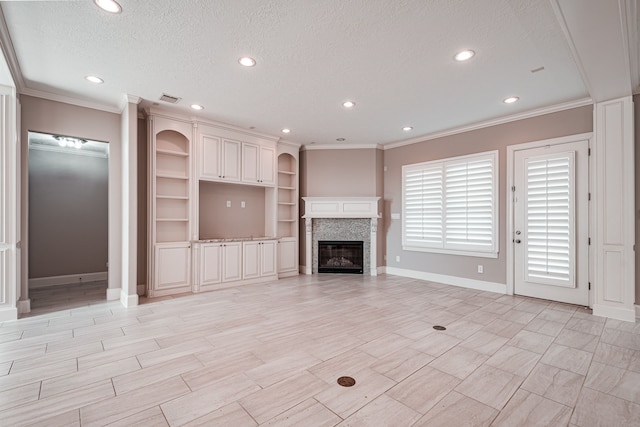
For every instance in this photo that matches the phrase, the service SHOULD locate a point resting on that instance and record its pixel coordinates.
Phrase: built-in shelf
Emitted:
(172, 219)
(172, 152)
(286, 188)
(286, 172)
(286, 220)
(172, 197)
(287, 203)
(169, 175)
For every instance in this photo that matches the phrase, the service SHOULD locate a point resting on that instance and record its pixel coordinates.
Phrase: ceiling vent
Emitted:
(170, 99)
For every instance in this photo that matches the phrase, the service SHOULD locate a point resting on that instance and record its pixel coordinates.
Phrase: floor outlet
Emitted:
(480, 269)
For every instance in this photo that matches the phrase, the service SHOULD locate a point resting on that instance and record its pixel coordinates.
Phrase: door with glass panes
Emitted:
(551, 204)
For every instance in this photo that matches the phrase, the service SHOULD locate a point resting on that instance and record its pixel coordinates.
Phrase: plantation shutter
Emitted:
(423, 207)
(550, 224)
(469, 204)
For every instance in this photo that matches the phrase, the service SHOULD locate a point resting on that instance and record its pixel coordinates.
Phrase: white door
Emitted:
(231, 261)
(551, 204)
(231, 160)
(268, 258)
(211, 264)
(210, 149)
(250, 260)
(250, 163)
(267, 165)
(173, 266)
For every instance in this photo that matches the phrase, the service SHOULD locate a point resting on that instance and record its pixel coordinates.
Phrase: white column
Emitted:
(373, 252)
(614, 270)
(308, 267)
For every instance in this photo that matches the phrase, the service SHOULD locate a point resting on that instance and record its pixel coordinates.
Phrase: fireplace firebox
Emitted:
(336, 256)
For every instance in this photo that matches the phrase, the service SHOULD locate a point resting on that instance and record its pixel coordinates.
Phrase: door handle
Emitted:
(517, 240)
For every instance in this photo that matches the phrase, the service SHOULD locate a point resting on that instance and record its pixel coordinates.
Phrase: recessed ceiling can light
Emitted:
(464, 55)
(110, 6)
(348, 104)
(197, 107)
(285, 130)
(407, 128)
(510, 100)
(340, 139)
(247, 61)
(94, 79)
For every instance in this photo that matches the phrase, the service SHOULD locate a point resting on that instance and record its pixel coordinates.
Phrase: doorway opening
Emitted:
(67, 221)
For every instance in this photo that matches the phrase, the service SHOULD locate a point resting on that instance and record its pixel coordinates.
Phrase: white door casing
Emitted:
(550, 219)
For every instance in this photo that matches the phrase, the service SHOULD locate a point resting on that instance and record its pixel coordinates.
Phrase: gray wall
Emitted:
(575, 121)
(68, 232)
(342, 173)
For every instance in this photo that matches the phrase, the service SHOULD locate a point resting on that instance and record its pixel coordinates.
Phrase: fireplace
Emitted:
(339, 256)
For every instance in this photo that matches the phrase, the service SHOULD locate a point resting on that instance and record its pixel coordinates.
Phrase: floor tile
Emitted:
(19, 395)
(554, 383)
(484, 342)
(220, 368)
(458, 410)
(310, 412)
(436, 344)
(545, 327)
(579, 340)
(530, 410)
(150, 417)
(568, 358)
(125, 382)
(346, 364)
(614, 355)
(515, 360)
(422, 390)
(383, 411)
(491, 386)
(532, 341)
(596, 409)
(503, 328)
(459, 362)
(402, 363)
(614, 381)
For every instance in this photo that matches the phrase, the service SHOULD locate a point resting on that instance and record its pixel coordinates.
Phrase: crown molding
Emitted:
(9, 53)
(341, 147)
(71, 100)
(291, 143)
(493, 122)
(630, 18)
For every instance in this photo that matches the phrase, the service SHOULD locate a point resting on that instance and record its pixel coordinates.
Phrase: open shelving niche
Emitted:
(287, 211)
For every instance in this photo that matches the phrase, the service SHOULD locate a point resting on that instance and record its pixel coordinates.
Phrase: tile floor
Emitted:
(270, 355)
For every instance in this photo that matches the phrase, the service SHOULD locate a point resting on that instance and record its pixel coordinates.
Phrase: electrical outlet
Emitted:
(228, 203)
(243, 204)
(480, 268)
(397, 258)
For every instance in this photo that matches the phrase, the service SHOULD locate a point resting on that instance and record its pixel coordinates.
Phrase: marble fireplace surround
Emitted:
(341, 218)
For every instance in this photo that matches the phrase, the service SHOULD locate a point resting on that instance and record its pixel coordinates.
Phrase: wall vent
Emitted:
(170, 99)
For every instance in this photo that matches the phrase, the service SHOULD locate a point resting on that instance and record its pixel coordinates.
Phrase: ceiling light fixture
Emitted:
(407, 128)
(340, 139)
(464, 55)
(247, 61)
(510, 100)
(197, 107)
(285, 130)
(110, 6)
(348, 104)
(94, 79)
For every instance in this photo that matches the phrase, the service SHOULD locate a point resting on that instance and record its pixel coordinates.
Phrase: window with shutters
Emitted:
(450, 206)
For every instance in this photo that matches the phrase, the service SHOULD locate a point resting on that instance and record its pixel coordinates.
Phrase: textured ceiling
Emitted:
(393, 58)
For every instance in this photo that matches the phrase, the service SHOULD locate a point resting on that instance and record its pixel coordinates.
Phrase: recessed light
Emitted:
(510, 100)
(110, 6)
(340, 139)
(197, 107)
(348, 104)
(464, 55)
(247, 61)
(285, 130)
(407, 128)
(94, 79)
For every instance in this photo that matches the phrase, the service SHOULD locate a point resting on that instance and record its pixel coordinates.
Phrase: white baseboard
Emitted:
(113, 294)
(382, 270)
(449, 280)
(618, 313)
(65, 280)
(24, 306)
(10, 313)
(303, 270)
(637, 310)
(128, 300)
(142, 289)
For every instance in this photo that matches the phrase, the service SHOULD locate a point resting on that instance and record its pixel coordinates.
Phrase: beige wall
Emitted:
(341, 173)
(41, 115)
(68, 209)
(219, 221)
(636, 104)
(575, 121)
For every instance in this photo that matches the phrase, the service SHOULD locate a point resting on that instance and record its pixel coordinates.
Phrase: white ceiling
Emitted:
(393, 58)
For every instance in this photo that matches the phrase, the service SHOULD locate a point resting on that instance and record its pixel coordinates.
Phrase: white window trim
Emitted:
(489, 253)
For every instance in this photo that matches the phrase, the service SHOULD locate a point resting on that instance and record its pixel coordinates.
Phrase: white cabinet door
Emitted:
(172, 266)
(232, 261)
(210, 264)
(267, 165)
(268, 258)
(210, 150)
(250, 163)
(287, 256)
(230, 160)
(251, 260)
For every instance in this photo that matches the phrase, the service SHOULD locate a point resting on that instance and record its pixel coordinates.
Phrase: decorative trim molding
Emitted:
(637, 310)
(492, 122)
(65, 280)
(70, 100)
(8, 314)
(449, 280)
(10, 54)
(128, 300)
(341, 147)
(382, 270)
(24, 306)
(618, 313)
(113, 294)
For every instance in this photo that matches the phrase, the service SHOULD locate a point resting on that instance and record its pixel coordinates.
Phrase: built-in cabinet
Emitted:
(287, 209)
(185, 152)
(169, 206)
